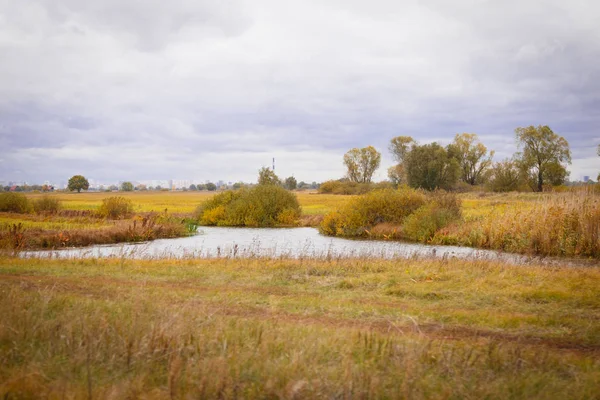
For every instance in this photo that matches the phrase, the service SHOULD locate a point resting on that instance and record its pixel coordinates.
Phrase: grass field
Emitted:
(263, 328)
(311, 202)
(183, 202)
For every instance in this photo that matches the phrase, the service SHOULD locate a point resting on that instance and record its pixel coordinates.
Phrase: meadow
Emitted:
(184, 202)
(282, 328)
(293, 328)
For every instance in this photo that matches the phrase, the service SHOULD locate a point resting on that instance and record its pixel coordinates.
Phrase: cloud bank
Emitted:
(134, 90)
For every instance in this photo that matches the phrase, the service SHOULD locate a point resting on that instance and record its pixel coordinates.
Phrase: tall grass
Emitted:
(24, 236)
(556, 225)
(418, 329)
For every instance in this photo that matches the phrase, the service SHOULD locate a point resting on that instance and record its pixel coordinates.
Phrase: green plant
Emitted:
(47, 205)
(362, 213)
(14, 202)
(262, 205)
(115, 208)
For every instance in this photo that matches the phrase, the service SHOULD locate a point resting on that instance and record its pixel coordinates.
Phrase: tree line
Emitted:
(541, 161)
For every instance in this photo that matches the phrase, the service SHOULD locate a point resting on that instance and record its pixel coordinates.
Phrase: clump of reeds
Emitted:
(141, 228)
(558, 225)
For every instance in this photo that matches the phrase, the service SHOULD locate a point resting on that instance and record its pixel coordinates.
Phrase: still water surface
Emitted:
(280, 242)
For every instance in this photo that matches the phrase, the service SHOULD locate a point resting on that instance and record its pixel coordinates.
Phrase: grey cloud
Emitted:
(188, 88)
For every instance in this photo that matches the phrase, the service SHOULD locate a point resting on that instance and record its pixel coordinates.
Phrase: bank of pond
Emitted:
(402, 219)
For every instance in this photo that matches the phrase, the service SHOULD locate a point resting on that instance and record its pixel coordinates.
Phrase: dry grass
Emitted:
(259, 328)
(554, 224)
(34, 232)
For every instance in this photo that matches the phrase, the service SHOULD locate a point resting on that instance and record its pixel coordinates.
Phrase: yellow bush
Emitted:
(115, 208)
(376, 207)
(260, 206)
(213, 216)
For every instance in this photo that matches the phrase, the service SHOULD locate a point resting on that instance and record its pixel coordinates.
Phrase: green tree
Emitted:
(399, 147)
(127, 187)
(543, 153)
(505, 176)
(472, 157)
(290, 183)
(78, 182)
(193, 187)
(430, 167)
(211, 187)
(397, 174)
(267, 177)
(362, 163)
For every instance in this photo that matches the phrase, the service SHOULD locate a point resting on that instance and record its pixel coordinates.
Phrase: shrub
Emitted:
(442, 209)
(14, 202)
(115, 208)
(422, 225)
(46, 205)
(377, 207)
(260, 206)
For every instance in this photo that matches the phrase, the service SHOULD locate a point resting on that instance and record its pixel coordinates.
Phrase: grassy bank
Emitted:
(553, 224)
(30, 232)
(257, 328)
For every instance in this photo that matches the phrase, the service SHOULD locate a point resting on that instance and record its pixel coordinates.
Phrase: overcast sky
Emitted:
(196, 89)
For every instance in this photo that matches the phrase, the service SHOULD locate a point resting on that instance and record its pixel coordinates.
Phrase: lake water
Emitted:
(280, 242)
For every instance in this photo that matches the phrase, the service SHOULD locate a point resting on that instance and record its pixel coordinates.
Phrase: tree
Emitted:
(78, 182)
(127, 186)
(505, 176)
(267, 177)
(362, 163)
(472, 157)
(543, 152)
(430, 167)
(399, 147)
(211, 187)
(290, 183)
(193, 187)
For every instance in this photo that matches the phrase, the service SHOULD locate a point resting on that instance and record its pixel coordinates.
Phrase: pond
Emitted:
(279, 242)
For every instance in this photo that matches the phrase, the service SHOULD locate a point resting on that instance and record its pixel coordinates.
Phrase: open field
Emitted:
(264, 328)
(474, 204)
(183, 202)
